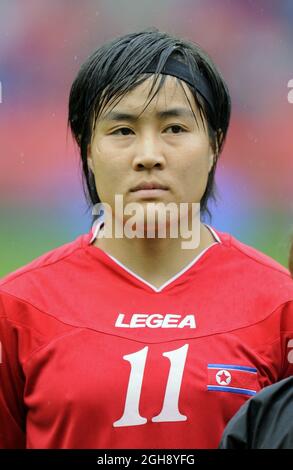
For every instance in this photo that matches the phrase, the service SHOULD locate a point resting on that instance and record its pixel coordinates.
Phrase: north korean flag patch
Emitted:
(232, 378)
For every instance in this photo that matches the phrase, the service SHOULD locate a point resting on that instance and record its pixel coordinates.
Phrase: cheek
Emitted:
(195, 160)
(108, 157)
(109, 172)
(194, 173)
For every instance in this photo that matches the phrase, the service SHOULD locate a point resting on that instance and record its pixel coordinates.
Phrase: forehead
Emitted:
(170, 94)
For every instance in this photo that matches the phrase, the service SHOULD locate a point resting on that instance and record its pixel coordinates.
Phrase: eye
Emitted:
(176, 128)
(120, 130)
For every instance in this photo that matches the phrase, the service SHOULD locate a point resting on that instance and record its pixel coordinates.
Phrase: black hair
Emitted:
(118, 66)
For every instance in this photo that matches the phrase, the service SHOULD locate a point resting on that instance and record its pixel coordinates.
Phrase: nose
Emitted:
(148, 154)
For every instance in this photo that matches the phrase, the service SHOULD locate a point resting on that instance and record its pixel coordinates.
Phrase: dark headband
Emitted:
(180, 70)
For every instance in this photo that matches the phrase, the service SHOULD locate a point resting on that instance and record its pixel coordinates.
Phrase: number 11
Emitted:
(170, 411)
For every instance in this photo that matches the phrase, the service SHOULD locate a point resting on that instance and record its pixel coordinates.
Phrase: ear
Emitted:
(89, 158)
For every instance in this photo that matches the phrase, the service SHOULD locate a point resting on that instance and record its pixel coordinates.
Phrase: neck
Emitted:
(150, 258)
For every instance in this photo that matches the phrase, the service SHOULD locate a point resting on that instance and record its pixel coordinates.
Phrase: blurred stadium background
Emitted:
(42, 45)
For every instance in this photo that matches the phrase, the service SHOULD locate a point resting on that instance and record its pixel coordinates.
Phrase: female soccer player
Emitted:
(122, 341)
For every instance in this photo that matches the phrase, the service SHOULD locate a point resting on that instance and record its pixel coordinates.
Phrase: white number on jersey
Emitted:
(170, 411)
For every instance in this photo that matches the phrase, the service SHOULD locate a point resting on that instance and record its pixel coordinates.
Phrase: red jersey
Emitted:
(92, 356)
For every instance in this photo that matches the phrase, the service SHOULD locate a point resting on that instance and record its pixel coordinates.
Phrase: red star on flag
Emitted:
(223, 377)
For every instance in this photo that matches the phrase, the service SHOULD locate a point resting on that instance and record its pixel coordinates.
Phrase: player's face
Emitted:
(171, 150)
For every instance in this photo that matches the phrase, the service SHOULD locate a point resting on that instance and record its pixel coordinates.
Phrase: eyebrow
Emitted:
(123, 116)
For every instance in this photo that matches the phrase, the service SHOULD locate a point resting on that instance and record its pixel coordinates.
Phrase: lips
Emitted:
(148, 186)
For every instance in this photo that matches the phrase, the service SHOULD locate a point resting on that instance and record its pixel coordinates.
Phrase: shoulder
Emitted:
(250, 285)
(30, 301)
(254, 256)
(249, 254)
(36, 285)
(45, 262)
(251, 265)
(32, 305)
